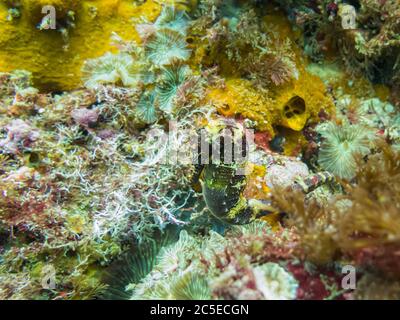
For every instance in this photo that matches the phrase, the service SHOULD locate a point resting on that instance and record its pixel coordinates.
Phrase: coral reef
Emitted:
(197, 150)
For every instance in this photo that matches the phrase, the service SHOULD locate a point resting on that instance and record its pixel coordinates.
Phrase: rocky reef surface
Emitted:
(119, 126)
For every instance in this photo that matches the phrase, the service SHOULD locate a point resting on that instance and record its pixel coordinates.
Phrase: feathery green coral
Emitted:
(166, 46)
(146, 108)
(173, 19)
(119, 69)
(186, 286)
(134, 265)
(191, 286)
(171, 79)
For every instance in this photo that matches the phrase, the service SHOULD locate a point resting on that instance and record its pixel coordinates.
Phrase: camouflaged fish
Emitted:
(222, 188)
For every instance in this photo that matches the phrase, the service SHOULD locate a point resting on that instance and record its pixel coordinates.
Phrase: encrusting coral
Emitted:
(274, 282)
(292, 102)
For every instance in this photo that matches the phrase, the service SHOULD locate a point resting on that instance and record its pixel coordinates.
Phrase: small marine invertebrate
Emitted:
(175, 256)
(172, 18)
(273, 66)
(118, 104)
(261, 243)
(365, 226)
(165, 46)
(150, 193)
(11, 83)
(146, 108)
(374, 213)
(313, 224)
(186, 286)
(341, 145)
(111, 69)
(236, 281)
(294, 113)
(313, 181)
(179, 4)
(362, 31)
(191, 286)
(375, 113)
(134, 265)
(13, 13)
(274, 282)
(177, 274)
(239, 279)
(171, 79)
(16, 286)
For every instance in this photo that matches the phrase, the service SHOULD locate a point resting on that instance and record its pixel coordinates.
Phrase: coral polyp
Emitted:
(340, 147)
(165, 46)
(172, 78)
(118, 69)
(199, 150)
(146, 108)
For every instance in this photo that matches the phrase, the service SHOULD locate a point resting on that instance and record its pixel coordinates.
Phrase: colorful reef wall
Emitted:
(199, 149)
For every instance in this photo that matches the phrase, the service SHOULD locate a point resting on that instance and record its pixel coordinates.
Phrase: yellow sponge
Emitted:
(55, 59)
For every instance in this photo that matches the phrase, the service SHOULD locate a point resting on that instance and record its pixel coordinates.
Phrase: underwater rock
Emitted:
(284, 171)
(375, 113)
(19, 135)
(242, 281)
(85, 117)
(289, 101)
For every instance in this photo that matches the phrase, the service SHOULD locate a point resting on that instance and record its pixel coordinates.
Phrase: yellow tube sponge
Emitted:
(292, 105)
(84, 28)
